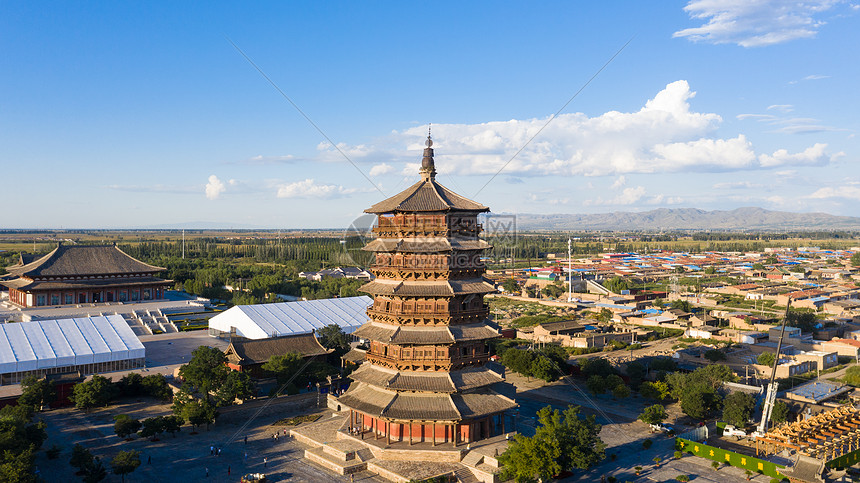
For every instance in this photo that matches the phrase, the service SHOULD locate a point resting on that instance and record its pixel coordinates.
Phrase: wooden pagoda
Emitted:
(427, 375)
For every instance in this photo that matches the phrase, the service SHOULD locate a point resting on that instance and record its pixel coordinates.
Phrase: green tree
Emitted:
(655, 414)
(205, 372)
(596, 384)
(511, 286)
(152, 427)
(620, 391)
(806, 321)
(616, 285)
(131, 385)
(542, 367)
(36, 392)
(18, 467)
(562, 441)
(155, 385)
(173, 424)
(766, 359)
(283, 367)
(758, 266)
(333, 337)
(96, 392)
(125, 462)
(80, 456)
(855, 259)
(18, 432)
(682, 305)
(596, 366)
(715, 355)
(779, 413)
(124, 425)
(237, 385)
(700, 401)
(198, 413)
(710, 271)
(658, 302)
(738, 408)
(94, 471)
(852, 376)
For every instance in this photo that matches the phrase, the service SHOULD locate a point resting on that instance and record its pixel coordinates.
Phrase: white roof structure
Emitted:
(43, 344)
(261, 321)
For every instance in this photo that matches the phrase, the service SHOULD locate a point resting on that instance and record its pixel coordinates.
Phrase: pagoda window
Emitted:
(69, 298)
(123, 296)
(55, 299)
(135, 294)
(40, 299)
(147, 294)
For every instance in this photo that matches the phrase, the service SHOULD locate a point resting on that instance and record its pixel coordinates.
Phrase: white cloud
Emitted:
(628, 196)
(812, 156)
(754, 23)
(381, 169)
(781, 107)
(309, 189)
(665, 135)
(851, 192)
(621, 181)
(214, 187)
(788, 125)
(737, 185)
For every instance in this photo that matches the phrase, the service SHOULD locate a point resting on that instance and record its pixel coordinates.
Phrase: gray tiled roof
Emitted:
(426, 195)
(257, 351)
(481, 403)
(425, 245)
(443, 334)
(78, 260)
(440, 288)
(25, 284)
(422, 406)
(429, 381)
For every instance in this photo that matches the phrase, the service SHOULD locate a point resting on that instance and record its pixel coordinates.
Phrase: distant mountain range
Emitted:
(741, 219)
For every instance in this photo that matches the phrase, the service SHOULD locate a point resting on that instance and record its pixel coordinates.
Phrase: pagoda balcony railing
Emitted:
(417, 267)
(418, 313)
(428, 230)
(411, 360)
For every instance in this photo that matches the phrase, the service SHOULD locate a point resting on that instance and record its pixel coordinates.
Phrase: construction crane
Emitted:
(770, 397)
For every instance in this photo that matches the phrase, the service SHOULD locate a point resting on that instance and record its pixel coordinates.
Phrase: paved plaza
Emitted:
(187, 456)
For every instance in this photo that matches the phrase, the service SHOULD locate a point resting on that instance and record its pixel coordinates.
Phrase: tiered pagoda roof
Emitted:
(428, 360)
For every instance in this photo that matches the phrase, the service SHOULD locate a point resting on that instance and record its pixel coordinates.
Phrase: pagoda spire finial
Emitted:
(428, 166)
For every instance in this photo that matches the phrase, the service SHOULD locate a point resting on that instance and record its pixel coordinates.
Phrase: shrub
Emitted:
(647, 443)
(53, 452)
(682, 478)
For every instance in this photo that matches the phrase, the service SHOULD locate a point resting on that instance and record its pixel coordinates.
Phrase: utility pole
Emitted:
(183, 243)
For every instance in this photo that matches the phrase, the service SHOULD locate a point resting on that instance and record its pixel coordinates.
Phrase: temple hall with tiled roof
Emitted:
(427, 376)
(80, 274)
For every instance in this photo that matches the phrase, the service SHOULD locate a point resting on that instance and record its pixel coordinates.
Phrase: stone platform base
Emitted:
(333, 448)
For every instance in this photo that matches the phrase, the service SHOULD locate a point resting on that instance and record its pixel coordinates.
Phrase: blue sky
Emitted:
(121, 114)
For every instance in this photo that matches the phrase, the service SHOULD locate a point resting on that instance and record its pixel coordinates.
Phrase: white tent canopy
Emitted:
(44, 344)
(288, 318)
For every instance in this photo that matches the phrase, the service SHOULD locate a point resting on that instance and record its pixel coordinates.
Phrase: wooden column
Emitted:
(375, 422)
(434, 433)
(411, 426)
(388, 432)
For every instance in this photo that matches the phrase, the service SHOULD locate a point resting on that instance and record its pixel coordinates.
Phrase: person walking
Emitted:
(207, 472)
(228, 470)
(265, 462)
(149, 460)
(246, 440)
